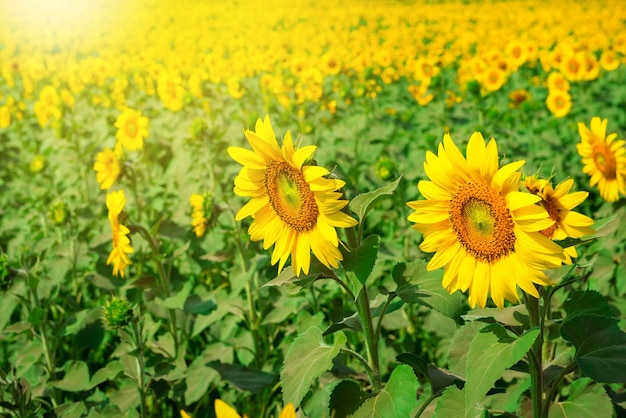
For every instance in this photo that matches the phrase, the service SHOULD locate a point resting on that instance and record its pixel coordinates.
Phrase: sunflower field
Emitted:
(397, 208)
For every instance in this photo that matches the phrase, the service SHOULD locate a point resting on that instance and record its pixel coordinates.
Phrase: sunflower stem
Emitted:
(536, 355)
(140, 365)
(371, 342)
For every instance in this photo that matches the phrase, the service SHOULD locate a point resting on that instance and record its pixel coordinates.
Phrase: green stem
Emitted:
(165, 281)
(365, 316)
(555, 386)
(428, 401)
(141, 385)
(368, 368)
(380, 318)
(535, 356)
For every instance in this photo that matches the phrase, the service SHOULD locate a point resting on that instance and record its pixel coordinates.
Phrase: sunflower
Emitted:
(604, 159)
(294, 206)
(223, 410)
(107, 167)
(199, 220)
(559, 203)
(121, 243)
(559, 102)
(132, 128)
(482, 229)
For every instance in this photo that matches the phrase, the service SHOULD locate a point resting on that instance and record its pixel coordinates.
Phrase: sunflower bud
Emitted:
(384, 167)
(117, 313)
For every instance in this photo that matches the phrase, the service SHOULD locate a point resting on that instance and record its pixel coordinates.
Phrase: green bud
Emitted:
(384, 167)
(117, 313)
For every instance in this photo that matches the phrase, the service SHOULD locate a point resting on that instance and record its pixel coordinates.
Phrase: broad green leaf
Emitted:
(196, 306)
(80, 319)
(418, 285)
(511, 315)
(396, 400)
(587, 303)
(363, 203)
(452, 404)
(176, 301)
(586, 400)
(108, 372)
(242, 377)
(287, 276)
(439, 379)
(307, 358)
(361, 260)
(346, 397)
(491, 352)
(76, 377)
(199, 375)
(457, 354)
(600, 347)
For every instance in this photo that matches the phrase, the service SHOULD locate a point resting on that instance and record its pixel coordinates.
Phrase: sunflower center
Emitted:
(131, 128)
(482, 222)
(605, 162)
(553, 211)
(290, 196)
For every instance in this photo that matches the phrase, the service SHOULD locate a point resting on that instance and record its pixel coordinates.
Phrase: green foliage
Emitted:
(395, 400)
(307, 358)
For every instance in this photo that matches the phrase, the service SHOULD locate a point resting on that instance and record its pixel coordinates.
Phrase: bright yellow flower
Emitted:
(223, 410)
(494, 78)
(37, 163)
(604, 159)
(556, 81)
(420, 94)
(609, 60)
(559, 103)
(107, 167)
(120, 241)
(483, 231)
(559, 203)
(132, 128)
(198, 219)
(295, 206)
(5, 117)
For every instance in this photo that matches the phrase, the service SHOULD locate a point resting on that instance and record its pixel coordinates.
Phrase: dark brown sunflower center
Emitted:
(553, 211)
(605, 161)
(482, 222)
(290, 196)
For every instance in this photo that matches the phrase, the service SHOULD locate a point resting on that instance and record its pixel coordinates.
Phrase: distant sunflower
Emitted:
(107, 168)
(482, 229)
(559, 102)
(294, 206)
(604, 159)
(121, 243)
(559, 203)
(132, 128)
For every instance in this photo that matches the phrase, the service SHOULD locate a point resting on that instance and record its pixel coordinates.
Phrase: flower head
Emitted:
(107, 168)
(559, 102)
(202, 212)
(295, 206)
(223, 410)
(117, 312)
(604, 158)
(121, 243)
(483, 231)
(132, 128)
(559, 202)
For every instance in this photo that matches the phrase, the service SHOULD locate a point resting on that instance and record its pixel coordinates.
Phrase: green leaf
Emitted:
(418, 285)
(587, 303)
(586, 400)
(196, 306)
(452, 404)
(307, 358)
(176, 301)
(396, 400)
(439, 379)
(76, 378)
(600, 347)
(287, 276)
(491, 352)
(108, 372)
(346, 397)
(457, 355)
(361, 260)
(243, 377)
(511, 315)
(363, 203)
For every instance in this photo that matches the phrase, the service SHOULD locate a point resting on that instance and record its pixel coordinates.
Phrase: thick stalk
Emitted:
(141, 385)
(536, 356)
(365, 316)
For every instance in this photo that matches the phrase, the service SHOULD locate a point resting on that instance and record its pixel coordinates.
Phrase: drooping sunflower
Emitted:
(132, 129)
(121, 243)
(294, 206)
(202, 206)
(107, 168)
(559, 203)
(604, 158)
(482, 229)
